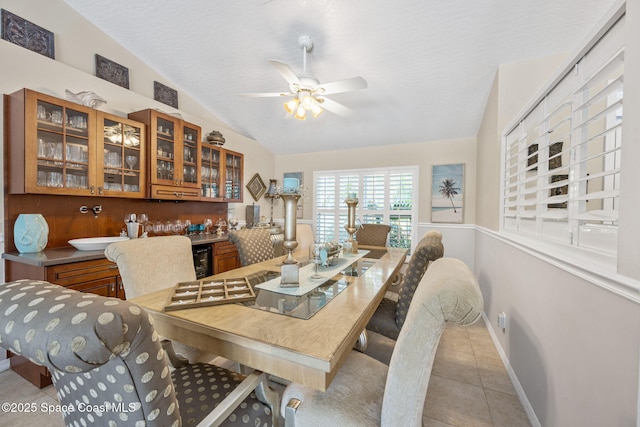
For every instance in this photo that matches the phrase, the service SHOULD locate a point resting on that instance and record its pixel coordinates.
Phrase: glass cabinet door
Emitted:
(190, 137)
(210, 171)
(63, 148)
(233, 176)
(165, 151)
(121, 168)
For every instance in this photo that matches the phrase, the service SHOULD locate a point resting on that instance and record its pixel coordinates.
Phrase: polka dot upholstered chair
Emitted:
(108, 366)
(365, 391)
(390, 315)
(253, 244)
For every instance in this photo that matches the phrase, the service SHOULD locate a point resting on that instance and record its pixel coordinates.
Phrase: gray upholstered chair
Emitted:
(253, 244)
(373, 234)
(155, 263)
(366, 392)
(390, 315)
(107, 363)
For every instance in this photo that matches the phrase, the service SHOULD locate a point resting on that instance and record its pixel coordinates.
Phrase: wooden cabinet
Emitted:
(53, 148)
(174, 156)
(225, 257)
(121, 166)
(99, 276)
(233, 168)
(221, 174)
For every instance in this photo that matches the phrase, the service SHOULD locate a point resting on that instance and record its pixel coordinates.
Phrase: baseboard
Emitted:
(533, 419)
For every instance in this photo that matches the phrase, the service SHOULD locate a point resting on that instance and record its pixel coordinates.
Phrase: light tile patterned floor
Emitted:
(469, 387)
(469, 384)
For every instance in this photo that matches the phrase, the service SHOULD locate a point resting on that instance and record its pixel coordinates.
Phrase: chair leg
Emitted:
(290, 412)
(176, 360)
(269, 397)
(361, 344)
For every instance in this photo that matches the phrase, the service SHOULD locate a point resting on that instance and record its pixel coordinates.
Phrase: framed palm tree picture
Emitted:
(447, 193)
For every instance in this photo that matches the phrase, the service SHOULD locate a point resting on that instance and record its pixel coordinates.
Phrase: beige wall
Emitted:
(424, 155)
(73, 69)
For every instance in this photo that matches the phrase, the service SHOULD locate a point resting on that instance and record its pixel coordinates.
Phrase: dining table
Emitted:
(301, 334)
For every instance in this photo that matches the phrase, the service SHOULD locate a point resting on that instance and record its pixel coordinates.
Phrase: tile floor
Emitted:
(469, 384)
(469, 387)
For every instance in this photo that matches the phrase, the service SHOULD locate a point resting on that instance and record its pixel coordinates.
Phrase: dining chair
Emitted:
(373, 234)
(253, 244)
(390, 315)
(305, 238)
(365, 391)
(155, 263)
(108, 367)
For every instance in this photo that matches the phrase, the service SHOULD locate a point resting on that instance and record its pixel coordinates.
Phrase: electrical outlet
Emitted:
(502, 321)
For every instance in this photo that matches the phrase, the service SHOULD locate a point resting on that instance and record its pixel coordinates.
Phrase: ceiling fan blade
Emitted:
(286, 71)
(265, 95)
(346, 85)
(334, 107)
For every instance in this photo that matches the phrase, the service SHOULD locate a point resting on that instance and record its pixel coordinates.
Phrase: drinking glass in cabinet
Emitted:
(131, 161)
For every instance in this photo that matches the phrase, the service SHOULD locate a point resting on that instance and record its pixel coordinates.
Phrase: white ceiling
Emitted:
(429, 64)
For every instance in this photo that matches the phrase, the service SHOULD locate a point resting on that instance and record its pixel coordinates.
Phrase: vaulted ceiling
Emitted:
(429, 64)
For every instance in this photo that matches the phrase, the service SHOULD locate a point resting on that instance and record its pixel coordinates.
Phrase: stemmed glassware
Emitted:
(131, 161)
(208, 225)
(233, 223)
(314, 255)
(143, 219)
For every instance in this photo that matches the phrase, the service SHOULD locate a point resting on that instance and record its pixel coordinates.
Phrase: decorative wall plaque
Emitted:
(27, 34)
(112, 72)
(165, 94)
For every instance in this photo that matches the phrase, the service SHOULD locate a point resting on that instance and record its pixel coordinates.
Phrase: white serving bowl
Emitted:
(95, 243)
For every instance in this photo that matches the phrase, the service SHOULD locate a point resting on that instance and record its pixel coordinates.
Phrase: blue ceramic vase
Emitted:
(30, 233)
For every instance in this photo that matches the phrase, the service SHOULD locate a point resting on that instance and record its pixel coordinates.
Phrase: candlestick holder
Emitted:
(351, 228)
(290, 270)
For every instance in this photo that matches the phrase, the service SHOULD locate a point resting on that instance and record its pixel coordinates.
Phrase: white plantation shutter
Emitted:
(561, 175)
(384, 196)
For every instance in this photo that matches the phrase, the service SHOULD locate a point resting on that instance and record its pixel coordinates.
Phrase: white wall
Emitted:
(572, 341)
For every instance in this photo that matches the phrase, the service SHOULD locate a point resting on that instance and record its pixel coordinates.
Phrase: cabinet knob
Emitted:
(92, 190)
(100, 190)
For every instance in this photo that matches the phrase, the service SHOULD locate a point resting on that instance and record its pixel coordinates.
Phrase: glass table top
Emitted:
(304, 303)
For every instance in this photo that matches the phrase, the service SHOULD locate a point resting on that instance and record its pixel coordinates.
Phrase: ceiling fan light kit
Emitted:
(307, 92)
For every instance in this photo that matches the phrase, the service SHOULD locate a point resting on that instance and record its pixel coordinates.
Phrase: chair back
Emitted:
(253, 244)
(102, 353)
(305, 238)
(449, 292)
(373, 234)
(151, 264)
(429, 249)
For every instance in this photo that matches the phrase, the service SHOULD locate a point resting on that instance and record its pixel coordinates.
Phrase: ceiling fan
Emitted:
(306, 91)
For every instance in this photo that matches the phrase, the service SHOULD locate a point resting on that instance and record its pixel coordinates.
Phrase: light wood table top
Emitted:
(307, 352)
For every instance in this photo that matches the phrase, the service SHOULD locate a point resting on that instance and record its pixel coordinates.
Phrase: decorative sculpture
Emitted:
(86, 98)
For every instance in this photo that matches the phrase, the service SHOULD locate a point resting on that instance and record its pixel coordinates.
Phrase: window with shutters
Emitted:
(561, 174)
(385, 196)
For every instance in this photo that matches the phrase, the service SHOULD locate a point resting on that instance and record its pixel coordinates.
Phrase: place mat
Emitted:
(307, 284)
